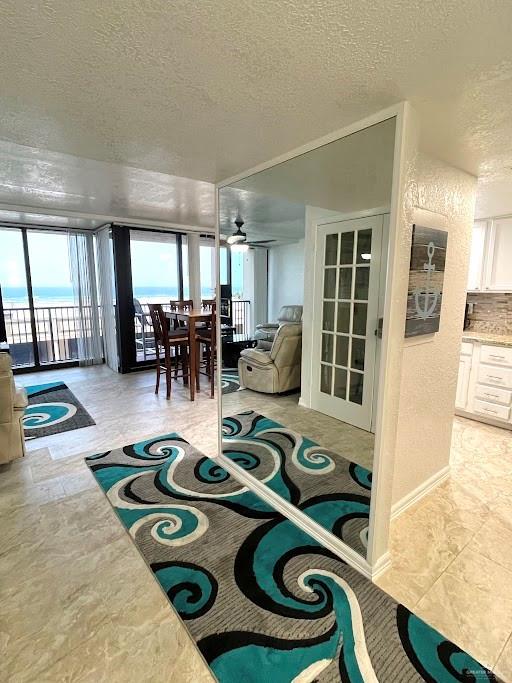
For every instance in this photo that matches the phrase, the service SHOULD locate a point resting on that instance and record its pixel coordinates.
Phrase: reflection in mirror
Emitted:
(304, 243)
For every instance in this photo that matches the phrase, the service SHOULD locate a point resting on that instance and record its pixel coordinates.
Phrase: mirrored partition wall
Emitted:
(304, 247)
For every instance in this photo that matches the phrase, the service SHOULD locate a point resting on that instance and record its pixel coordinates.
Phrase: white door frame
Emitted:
(344, 410)
(377, 559)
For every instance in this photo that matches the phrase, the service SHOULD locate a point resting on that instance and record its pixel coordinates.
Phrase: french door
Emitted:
(347, 273)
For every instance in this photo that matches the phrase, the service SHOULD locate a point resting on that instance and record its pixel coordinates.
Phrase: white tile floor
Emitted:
(79, 604)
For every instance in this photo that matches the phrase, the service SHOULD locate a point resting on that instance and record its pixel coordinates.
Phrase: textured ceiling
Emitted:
(348, 175)
(207, 89)
(52, 181)
(265, 217)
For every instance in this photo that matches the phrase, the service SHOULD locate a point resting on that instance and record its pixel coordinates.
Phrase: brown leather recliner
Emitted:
(13, 401)
(277, 370)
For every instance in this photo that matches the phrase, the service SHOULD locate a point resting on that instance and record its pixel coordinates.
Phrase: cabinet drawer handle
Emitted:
(493, 355)
(488, 410)
(498, 379)
(491, 395)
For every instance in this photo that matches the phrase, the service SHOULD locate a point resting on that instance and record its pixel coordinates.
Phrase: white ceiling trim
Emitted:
(131, 222)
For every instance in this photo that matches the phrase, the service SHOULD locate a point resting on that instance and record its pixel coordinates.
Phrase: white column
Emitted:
(194, 268)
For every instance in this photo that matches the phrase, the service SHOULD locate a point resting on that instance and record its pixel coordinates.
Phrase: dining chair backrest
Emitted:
(182, 304)
(208, 304)
(211, 330)
(159, 324)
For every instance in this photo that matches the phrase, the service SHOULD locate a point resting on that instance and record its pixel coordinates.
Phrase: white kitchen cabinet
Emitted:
(476, 258)
(491, 256)
(484, 385)
(498, 275)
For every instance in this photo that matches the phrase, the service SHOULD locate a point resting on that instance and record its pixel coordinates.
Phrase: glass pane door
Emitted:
(346, 311)
(15, 298)
(344, 314)
(56, 316)
(155, 279)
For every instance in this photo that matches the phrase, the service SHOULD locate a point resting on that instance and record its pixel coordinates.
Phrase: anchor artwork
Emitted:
(426, 275)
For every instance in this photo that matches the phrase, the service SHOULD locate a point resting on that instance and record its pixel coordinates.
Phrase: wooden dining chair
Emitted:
(208, 304)
(170, 345)
(181, 305)
(207, 338)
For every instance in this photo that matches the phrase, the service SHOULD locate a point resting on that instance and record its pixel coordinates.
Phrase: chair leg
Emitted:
(185, 365)
(157, 370)
(198, 365)
(187, 377)
(212, 373)
(168, 377)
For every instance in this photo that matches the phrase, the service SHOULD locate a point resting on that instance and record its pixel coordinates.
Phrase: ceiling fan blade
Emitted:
(261, 241)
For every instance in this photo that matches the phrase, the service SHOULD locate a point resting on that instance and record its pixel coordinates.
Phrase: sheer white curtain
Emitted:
(83, 280)
(107, 298)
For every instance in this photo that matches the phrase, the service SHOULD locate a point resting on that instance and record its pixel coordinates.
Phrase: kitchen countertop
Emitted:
(487, 338)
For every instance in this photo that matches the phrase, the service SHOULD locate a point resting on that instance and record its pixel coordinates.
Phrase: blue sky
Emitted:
(153, 264)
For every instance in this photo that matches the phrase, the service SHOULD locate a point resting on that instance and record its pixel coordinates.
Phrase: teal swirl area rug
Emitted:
(53, 408)
(264, 601)
(230, 380)
(327, 487)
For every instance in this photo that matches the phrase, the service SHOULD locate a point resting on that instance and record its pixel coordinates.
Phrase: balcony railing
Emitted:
(240, 311)
(58, 329)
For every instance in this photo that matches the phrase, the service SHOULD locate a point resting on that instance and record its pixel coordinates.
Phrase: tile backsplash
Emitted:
(491, 312)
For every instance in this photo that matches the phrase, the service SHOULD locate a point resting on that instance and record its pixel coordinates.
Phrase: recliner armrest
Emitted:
(256, 356)
(269, 326)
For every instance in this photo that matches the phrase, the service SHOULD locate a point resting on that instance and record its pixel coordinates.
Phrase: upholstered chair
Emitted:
(265, 332)
(276, 370)
(13, 401)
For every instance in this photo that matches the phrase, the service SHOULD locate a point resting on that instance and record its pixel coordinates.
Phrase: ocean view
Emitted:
(16, 297)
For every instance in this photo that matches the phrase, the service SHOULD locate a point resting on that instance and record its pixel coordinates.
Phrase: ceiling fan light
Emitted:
(236, 238)
(240, 247)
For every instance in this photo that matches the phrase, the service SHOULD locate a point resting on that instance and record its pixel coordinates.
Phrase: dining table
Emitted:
(191, 316)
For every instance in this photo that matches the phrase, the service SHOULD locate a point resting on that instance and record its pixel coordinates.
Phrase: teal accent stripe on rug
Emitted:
(53, 408)
(326, 486)
(262, 599)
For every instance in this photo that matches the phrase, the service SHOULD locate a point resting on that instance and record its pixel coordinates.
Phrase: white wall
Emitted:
(255, 286)
(441, 196)
(285, 277)
(418, 377)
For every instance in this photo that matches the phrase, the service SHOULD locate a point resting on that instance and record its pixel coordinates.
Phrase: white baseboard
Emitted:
(300, 519)
(417, 494)
(381, 566)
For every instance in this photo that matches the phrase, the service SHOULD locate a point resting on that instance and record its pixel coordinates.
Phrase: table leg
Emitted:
(192, 355)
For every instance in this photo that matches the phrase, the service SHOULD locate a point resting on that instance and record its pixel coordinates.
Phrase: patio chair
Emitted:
(144, 321)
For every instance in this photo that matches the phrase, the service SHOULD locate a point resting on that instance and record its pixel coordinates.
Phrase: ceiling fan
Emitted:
(240, 237)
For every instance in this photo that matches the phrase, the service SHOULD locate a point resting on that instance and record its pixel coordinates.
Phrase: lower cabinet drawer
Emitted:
(501, 355)
(491, 410)
(493, 394)
(498, 377)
